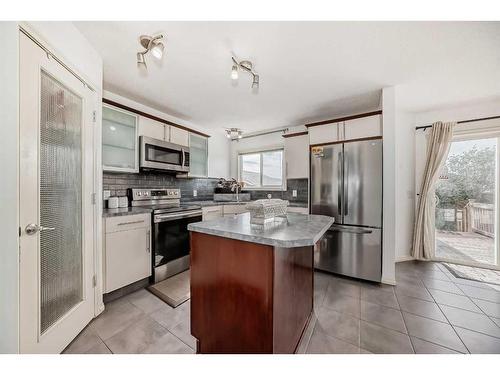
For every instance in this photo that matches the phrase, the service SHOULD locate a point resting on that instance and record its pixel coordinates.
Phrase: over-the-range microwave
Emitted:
(161, 155)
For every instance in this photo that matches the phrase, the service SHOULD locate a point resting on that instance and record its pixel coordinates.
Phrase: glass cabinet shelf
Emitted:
(198, 155)
(119, 140)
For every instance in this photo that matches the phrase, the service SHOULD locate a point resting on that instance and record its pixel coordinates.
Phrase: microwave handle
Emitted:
(183, 161)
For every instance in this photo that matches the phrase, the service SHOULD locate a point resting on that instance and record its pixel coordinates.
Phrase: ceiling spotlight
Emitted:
(255, 82)
(140, 59)
(246, 66)
(153, 44)
(234, 133)
(157, 50)
(234, 72)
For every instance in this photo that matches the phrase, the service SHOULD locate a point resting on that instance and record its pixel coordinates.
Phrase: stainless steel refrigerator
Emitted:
(346, 183)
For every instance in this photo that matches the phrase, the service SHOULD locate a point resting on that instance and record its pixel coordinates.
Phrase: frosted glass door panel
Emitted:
(198, 161)
(119, 140)
(61, 285)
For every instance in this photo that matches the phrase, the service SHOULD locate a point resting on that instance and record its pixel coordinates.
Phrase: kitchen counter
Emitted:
(295, 231)
(111, 212)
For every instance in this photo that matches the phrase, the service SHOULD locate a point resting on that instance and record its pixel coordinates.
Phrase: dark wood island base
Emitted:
(248, 297)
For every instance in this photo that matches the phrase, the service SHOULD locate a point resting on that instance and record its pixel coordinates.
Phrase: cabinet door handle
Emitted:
(148, 241)
(131, 222)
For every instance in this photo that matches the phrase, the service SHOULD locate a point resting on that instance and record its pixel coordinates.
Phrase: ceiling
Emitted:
(309, 71)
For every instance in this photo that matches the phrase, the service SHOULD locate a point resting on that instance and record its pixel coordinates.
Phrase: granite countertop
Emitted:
(111, 212)
(295, 230)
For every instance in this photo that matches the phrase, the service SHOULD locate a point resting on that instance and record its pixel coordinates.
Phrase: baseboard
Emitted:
(404, 258)
(388, 281)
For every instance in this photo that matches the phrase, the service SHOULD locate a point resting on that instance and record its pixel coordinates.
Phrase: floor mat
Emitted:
(474, 273)
(174, 290)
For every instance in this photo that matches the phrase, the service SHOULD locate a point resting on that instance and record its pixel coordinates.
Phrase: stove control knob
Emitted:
(139, 193)
(146, 193)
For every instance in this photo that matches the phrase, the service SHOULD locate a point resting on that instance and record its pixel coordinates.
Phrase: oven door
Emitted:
(157, 154)
(171, 236)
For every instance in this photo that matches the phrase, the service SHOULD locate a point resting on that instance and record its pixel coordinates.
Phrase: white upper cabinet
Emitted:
(158, 130)
(297, 156)
(179, 136)
(153, 129)
(324, 133)
(119, 140)
(364, 127)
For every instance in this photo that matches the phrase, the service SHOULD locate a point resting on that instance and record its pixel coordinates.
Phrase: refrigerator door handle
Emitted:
(351, 230)
(346, 183)
(339, 183)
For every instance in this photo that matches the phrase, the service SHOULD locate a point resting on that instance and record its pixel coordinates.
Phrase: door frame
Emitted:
(471, 135)
(94, 101)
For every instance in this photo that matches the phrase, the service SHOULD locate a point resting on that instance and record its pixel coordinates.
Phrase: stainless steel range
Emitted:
(170, 235)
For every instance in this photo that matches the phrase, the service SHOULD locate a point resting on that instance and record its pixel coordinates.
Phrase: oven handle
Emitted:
(169, 217)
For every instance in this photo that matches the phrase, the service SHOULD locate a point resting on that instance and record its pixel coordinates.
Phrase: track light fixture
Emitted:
(246, 66)
(153, 44)
(234, 133)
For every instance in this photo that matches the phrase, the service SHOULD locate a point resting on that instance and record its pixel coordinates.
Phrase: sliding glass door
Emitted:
(466, 214)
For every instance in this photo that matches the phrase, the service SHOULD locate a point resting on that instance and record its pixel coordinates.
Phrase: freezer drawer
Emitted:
(351, 251)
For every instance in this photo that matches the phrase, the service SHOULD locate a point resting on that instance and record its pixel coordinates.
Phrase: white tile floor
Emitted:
(429, 311)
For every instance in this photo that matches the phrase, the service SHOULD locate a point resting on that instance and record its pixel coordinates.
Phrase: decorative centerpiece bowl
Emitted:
(266, 210)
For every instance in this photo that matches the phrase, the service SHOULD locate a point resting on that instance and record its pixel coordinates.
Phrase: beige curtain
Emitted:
(437, 149)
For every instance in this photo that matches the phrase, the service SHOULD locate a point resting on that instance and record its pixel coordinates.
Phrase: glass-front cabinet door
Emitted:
(198, 158)
(119, 140)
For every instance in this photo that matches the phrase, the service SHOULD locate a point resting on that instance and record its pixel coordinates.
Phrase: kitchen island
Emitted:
(252, 285)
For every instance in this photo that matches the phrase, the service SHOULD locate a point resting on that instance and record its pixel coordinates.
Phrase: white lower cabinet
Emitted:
(211, 212)
(127, 250)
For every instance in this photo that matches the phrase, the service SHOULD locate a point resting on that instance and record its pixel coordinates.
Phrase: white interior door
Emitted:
(56, 213)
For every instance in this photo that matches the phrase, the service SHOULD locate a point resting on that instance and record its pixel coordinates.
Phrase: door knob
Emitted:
(32, 229)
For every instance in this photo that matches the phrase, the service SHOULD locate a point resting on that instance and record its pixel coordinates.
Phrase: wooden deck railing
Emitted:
(481, 218)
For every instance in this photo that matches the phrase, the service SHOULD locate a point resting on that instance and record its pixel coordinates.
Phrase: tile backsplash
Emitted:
(299, 184)
(118, 183)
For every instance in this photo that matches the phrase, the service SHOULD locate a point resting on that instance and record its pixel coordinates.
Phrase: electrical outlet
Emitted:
(106, 194)
(195, 193)
(294, 193)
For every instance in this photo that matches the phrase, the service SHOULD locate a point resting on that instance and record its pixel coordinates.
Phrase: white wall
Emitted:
(389, 177)
(9, 270)
(405, 183)
(218, 144)
(68, 44)
(218, 155)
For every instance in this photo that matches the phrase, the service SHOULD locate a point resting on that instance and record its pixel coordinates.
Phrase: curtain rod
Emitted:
(461, 122)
